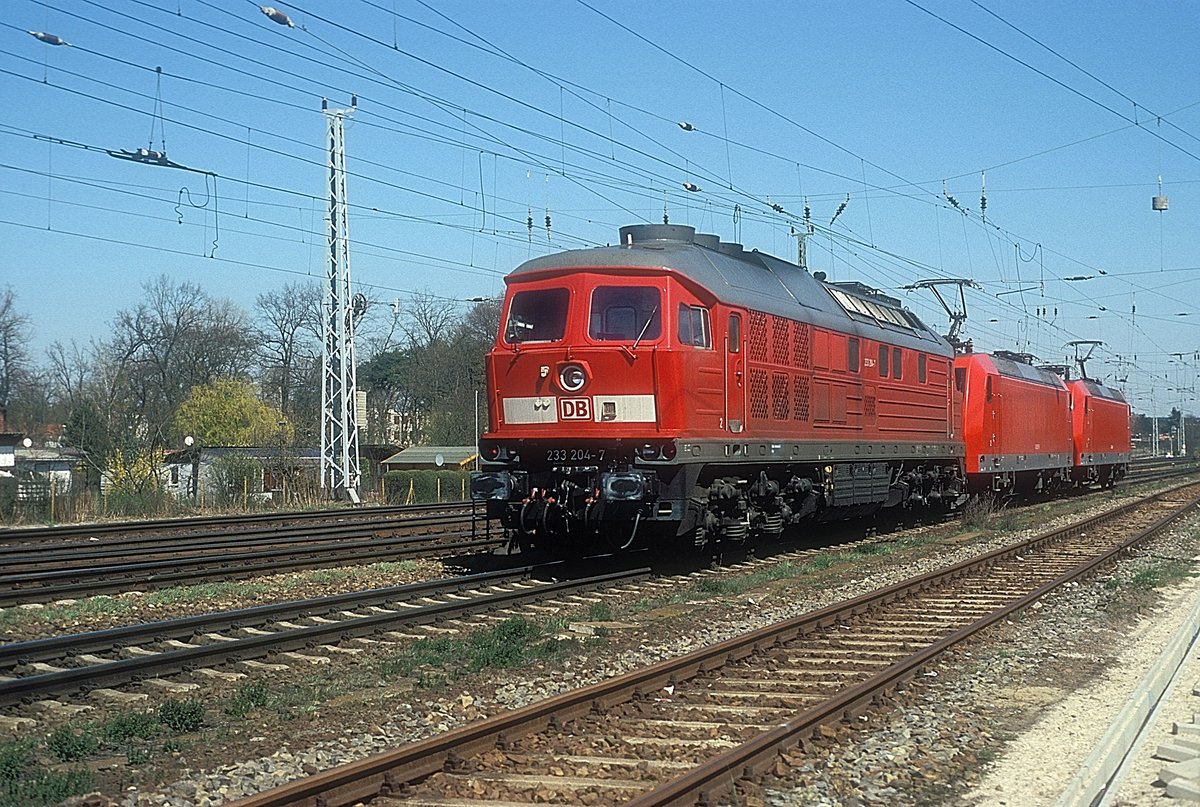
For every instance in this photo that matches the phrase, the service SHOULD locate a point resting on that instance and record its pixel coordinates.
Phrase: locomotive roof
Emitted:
(752, 280)
(1099, 389)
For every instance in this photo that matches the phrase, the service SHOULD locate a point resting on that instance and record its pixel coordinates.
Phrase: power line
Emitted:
(1049, 77)
(1087, 73)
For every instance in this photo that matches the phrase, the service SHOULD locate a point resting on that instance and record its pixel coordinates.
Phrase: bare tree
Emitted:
(14, 350)
(177, 338)
(71, 374)
(429, 319)
(289, 340)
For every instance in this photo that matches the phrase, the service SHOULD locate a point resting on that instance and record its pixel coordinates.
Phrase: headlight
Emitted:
(656, 451)
(572, 377)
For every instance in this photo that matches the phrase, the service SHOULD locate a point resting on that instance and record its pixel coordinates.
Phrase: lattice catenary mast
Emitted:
(339, 423)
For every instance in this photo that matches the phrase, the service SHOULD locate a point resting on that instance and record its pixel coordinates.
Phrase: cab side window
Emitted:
(694, 326)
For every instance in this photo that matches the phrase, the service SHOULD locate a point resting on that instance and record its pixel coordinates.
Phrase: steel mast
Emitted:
(339, 423)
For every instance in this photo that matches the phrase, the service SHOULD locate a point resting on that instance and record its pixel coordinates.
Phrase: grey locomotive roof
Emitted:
(752, 280)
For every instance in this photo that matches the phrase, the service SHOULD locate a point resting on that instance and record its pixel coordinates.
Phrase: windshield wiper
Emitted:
(645, 327)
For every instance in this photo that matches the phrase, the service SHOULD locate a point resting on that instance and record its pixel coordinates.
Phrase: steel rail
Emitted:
(712, 778)
(258, 646)
(28, 587)
(57, 554)
(56, 647)
(175, 525)
(388, 773)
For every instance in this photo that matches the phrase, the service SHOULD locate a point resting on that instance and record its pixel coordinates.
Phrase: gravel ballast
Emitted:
(933, 747)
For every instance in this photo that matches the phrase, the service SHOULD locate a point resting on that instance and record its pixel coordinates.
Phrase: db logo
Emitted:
(575, 408)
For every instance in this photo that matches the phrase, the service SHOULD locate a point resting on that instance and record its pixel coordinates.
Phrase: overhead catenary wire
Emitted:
(752, 214)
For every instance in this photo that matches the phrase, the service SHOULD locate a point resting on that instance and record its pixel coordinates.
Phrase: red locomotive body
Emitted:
(1016, 424)
(1101, 430)
(677, 385)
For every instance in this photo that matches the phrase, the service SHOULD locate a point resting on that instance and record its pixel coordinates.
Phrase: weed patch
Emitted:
(128, 725)
(70, 744)
(247, 698)
(874, 548)
(512, 643)
(182, 716)
(203, 592)
(59, 615)
(1161, 573)
(599, 612)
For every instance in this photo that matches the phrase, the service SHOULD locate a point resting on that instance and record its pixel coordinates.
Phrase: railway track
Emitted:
(66, 665)
(155, 529)
(153, 555)
(57, 571)
(705, 727)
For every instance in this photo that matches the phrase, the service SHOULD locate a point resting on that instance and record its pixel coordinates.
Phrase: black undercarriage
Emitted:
(630, 502)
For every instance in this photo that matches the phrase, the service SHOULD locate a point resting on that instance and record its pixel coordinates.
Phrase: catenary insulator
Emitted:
(277, 16)
(49, 39)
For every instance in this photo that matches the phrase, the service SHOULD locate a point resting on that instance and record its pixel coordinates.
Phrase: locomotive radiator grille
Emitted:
(780, 396)
(781, 342)
(800, 407)
(758, 394)
(757, 337)
(802, 349)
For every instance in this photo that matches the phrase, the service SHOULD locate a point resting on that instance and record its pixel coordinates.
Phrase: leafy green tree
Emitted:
(229, 413)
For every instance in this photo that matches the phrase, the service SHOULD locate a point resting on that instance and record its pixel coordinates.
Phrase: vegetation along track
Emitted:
(694, 729)
(57, 571)
(64, 665)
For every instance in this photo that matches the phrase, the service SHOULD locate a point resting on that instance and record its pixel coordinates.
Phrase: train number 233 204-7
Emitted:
(574, 454)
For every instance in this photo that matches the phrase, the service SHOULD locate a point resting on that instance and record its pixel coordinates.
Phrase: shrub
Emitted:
(69, 746)
(422, 487)
(128, 725)
(233, 479)
(182, 716)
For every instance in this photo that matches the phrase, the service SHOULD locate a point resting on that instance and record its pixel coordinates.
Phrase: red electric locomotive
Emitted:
(1016, 423)
(675, 385)
(1101, 430)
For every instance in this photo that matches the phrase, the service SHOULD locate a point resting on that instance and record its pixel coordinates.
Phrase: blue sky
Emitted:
(473, 117)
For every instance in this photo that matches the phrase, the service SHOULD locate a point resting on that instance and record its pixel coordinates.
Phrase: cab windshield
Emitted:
(537, 316)
(625, 314)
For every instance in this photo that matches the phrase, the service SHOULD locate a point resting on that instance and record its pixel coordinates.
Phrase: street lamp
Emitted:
(194, 482)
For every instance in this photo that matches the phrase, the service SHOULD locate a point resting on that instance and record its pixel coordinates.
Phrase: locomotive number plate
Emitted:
(574, 455)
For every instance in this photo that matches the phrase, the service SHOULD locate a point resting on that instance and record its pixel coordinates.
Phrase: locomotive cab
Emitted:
(590, 378)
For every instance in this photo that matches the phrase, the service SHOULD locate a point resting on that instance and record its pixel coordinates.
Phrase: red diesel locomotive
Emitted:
(678, 386)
